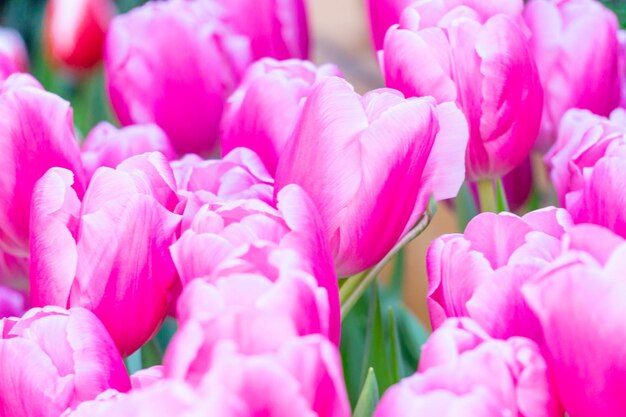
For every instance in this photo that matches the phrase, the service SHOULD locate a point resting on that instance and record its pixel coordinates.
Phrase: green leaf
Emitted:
(396, 359)
(167, 330)
(465, 206)
(412, 336)
(352, 347)
(133, 362)
(375, 342)
(368, 399)
(151, 354)
(501, 203)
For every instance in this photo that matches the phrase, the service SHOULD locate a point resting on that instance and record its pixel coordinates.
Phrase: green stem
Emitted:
(354, 287)
(486, 196)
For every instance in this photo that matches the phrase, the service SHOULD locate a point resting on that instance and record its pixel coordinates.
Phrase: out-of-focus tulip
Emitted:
(174, 64)
(110, 252)
(465, 372)
(53, 359)
(262, 112)
(386, 13)
(148, 376)
(486, 68)
(275, 28)
(74, 31)
(576, 48)
(370, 165)
(251, 236)
(479, 274)
(13, 54)
(107, 146)
(12, 302)
(588, 163)
(580, 304)
(38, 135)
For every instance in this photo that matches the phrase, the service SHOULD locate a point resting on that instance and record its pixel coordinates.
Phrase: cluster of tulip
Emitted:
(260, 254)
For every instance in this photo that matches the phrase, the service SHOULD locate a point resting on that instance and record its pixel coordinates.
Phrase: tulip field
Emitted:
(204, 214)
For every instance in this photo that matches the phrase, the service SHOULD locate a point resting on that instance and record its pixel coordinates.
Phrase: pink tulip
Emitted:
(262, 112)
(486, 68)
(74, 31)
(479, 274)
(575, 45)
(13, 54)
(39, 134)
(12, 302)
(370, 165)
(174, 64)
(386, 13)
(275, 28)
(147, 376)
(580, 304)
(271, 313)
(251, 236)
(465, 372)
(588, 164)
(107, 146)
(53, 359)
(109, 252)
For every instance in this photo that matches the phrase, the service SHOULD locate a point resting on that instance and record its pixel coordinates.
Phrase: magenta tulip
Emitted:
(370, 165)
(109, 252)
(13, 54)
(174, 64)
(588, 163)
(38, 135)
(53, 359)
(107, 146)
(479, 273)
(576, 48)
(275, 28)
(464, 372)
(12, 302)
(262, 112)
(486, 68)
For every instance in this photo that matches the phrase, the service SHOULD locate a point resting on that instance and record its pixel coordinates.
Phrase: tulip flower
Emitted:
(386, 13)
(262, 112)
(74, 31)
(53, 359)
(579, 304)
(370, 165)
(38, 135)
(275, 28)
(12, 302)
(575, 45)
(251, 236)
(13, 54)
(486, 68)
(95, 253)
(479, 274)
(463, 371)
(107, 146)
(174, 64)
(588, 164)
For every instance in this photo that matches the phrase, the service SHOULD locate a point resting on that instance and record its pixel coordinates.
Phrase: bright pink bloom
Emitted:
(262, 112)
(39, 134)
(107, 146)
(576, 48)
(251, 236)
(53, 359)
(588, 164)
(485, 67)
(580, 305)
(74, 31)
(275, 28)
(174, 64)
(13, 54)
(370, 165)
(479, 274)
(465, 372)
(110, 252)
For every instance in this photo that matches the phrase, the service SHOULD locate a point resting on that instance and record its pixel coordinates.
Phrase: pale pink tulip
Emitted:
(53, 359)
(465, 372)
(262, 112)
(486, 67)
(109, 252)
(107, 146)
(174, 64)
(370, 165)
(39, 134)
(575, 45)
(13, 54)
